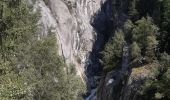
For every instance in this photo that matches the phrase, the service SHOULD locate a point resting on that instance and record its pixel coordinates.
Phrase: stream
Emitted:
(117, 75)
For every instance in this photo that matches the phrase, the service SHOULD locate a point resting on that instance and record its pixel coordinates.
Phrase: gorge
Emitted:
(82, 29)
(86, 22)
(84, 49)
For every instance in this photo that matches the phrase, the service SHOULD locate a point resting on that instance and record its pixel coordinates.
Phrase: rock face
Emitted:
(111, 85)
(80, 26)
(128, 87)
(71, 21)
(137, 79)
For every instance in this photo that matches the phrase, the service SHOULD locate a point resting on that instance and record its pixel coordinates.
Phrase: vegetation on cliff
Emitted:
(30, 67)
(146, 30)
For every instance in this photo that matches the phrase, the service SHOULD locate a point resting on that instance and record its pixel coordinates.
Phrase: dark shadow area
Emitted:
(110, 18)
(102, 24)
(105, 22)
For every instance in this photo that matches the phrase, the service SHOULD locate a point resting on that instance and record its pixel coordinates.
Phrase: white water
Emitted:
(92, 95)
(72, 26)
(125, 58)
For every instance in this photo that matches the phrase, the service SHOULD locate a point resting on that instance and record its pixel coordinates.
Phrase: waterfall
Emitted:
(79, 27)
(112, 84)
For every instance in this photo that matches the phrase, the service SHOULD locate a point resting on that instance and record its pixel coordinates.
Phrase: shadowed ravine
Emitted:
(104, 24)
(114, 81)
(84, 50)
(81, 23)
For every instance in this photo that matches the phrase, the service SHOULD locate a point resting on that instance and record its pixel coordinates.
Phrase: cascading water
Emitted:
(81, 28)
(112, 84)
(102, 24)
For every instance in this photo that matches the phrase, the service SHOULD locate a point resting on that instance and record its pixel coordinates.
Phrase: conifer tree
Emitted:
(112, 53)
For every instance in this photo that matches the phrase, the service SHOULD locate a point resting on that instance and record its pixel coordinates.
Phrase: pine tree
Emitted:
(31, 69)
(164, 24)
(132, 9)
(112, 53)
(144, 34)
(135, 51)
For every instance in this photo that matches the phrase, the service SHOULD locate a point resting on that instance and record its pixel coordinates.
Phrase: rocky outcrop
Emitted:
(73, 32)
(71, 21)
(129, 87)
(138, 78)
(112, 83)
(80, 26)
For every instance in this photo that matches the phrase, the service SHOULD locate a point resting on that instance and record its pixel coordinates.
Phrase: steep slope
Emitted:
(71, 21)
(78, 26)
(82, 28)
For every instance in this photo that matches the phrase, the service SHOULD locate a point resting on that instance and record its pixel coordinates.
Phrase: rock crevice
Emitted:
(73, 23)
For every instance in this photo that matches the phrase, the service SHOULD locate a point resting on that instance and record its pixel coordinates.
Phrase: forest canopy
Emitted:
(146, 30)
(30, 67)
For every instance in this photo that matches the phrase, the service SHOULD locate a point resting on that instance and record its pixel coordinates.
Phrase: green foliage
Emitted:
(72, 69)
(143, 34)
(151, 44)
(159, 10)
(135, 51)
(128, 27)
(164, 23)
(145, 40)
(17, 26)
(13, 86)
(31, 69)
(148, 37)
(144, 27)
(132, 11)
(112, 53)
(159, 88)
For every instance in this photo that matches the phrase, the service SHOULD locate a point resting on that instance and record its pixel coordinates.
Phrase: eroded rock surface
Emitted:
(71, 21)
(77, 25)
